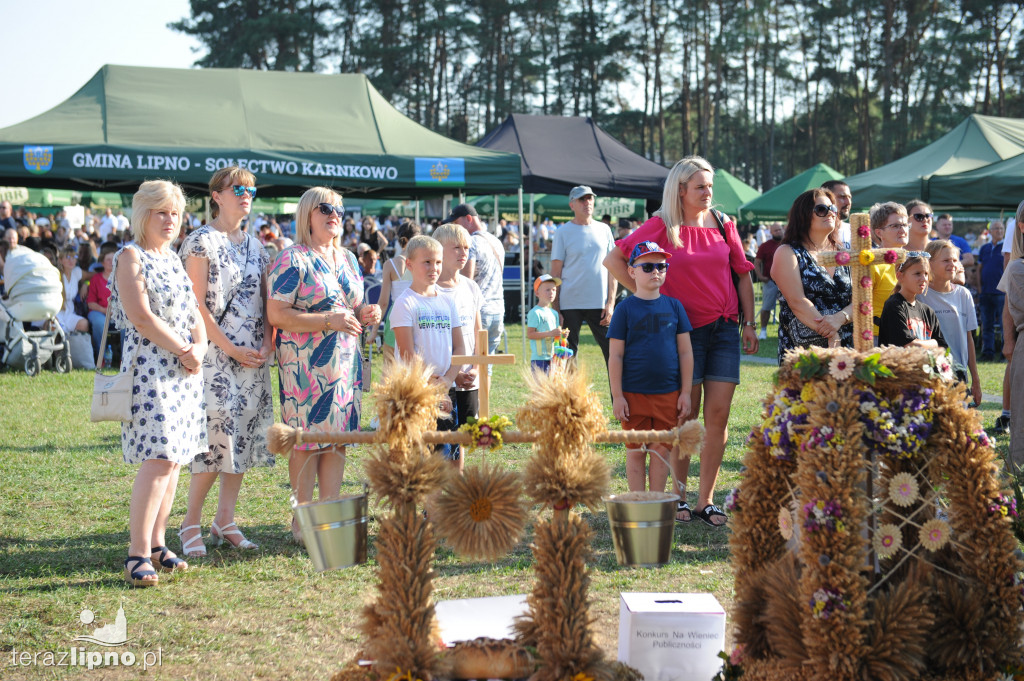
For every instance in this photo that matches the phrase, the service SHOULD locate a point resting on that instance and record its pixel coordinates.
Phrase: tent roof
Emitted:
(994, 186)
(731, 192)
(560, 152)
(292, 129)
(774, 204)
(978, 141)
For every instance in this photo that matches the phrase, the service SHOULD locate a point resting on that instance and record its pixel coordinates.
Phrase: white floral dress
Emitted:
(168, 412)
(239, 406)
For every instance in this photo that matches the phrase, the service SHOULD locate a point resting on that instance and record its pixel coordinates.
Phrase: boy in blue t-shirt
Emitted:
(650, 364)
(542, 323)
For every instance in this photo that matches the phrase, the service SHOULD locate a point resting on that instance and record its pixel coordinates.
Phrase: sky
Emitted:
(53, 47)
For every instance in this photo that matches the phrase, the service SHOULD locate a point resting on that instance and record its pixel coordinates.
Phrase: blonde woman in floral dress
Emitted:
(165, 341)
(315, 301)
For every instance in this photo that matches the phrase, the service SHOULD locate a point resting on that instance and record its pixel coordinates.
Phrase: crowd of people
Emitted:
(203, 310)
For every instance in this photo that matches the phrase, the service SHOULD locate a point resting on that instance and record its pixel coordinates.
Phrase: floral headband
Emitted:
(924, 255)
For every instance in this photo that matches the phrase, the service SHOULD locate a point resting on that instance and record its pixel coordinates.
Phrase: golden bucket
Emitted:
(641, 525)
(334, 531)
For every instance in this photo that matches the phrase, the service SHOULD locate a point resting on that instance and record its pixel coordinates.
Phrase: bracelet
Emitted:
(327, 322)
(846, 316)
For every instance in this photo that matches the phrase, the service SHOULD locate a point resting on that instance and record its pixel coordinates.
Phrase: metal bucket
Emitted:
(334, 531)
(642, 528)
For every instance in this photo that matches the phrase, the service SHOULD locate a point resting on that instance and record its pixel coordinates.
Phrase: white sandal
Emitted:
(219, 535)
(187, 547)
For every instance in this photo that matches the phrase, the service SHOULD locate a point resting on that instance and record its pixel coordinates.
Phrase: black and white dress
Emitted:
(828, 293)
(168, 411)
(239, 407)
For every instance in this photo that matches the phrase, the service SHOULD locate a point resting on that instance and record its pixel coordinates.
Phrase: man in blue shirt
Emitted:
(990, 302)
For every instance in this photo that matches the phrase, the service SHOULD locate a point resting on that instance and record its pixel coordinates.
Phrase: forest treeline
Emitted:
(763, 88)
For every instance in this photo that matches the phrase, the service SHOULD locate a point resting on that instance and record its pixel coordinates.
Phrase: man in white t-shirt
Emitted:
(578, 250)
(108, 224)
(122, 222)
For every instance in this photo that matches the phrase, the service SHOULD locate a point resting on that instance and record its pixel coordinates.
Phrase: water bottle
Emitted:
(108, 356)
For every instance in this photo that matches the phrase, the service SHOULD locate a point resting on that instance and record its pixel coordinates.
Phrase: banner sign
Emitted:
(114, 164)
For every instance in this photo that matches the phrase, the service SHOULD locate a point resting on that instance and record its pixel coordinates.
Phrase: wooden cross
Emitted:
(859, 258)
(480, 361)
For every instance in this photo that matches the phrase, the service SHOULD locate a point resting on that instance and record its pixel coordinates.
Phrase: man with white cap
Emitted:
(578, 250)
(485, 266)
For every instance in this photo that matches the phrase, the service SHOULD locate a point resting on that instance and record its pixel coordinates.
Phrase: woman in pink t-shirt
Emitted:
(703, 263)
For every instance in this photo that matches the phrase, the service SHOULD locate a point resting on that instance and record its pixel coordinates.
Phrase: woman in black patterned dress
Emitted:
(817, 307)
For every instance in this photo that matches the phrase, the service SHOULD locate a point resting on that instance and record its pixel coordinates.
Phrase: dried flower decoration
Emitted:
(786, 523)
(888, 540)
(903, 489)
(934, 534)
(891, 257)
(866, 257)
(481, 513)
(841, 367)
(842, 258)
(826, 602)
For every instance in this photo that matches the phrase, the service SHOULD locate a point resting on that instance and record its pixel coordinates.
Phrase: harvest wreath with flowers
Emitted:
(872, 538)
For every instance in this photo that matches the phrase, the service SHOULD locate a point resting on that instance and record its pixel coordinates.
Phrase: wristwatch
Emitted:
(846, 315)
(750, 324)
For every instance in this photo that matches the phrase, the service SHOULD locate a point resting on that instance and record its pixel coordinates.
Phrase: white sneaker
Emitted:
(763, 335)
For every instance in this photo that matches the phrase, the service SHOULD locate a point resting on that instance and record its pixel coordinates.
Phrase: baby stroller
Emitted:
(34, 294)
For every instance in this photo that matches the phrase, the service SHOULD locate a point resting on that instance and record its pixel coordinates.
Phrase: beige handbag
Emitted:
(111, 395)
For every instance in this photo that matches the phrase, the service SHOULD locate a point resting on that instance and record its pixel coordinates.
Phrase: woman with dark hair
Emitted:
(372, 236)
(395, 278)
(706, 252)
(816, 309)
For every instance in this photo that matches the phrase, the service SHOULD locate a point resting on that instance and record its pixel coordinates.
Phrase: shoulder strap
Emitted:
(721, 223)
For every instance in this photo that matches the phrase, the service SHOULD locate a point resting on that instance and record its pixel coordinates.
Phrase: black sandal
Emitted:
(680, 508)
(170, 564)
(711, 511)
(136, 577)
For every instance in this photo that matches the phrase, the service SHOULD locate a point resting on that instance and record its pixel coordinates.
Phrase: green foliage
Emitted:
(764, 88)
(871, 368)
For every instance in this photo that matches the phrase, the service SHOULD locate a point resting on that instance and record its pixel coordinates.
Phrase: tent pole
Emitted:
(522, 271)
(417, 200)
(494, 225)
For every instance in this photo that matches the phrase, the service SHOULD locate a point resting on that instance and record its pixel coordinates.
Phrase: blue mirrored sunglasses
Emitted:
(327, 209)
(649, 267)
(242, 189)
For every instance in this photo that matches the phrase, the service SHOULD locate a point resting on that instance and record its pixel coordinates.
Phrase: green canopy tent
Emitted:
(992, 187)
(977, 142)
(293, 130)
(774, 204)
(35, 197)
(731, 192)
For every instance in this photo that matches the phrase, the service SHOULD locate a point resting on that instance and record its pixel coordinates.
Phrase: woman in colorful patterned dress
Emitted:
(228, 269)
(165, 339)
(315, 301)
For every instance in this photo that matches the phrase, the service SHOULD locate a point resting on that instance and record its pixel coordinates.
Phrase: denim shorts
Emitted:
(716, 352)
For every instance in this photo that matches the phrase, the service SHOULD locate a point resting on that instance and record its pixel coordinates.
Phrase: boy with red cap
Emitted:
(542, 322)
(650, 364)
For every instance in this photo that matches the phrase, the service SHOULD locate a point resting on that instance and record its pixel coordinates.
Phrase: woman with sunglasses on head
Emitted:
(890, 228)
(228, 268)
(919, 221)
(706, 251)
(316, 303)
(816, 309)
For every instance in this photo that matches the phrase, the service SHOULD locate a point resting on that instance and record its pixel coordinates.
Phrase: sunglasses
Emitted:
(921, 217)
(649, 267)
(823, 209)
(241, 189)
(924, 255)
(327, 209)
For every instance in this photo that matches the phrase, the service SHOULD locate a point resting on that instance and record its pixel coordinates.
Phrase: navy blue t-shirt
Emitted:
(991, 259)
(650, 363)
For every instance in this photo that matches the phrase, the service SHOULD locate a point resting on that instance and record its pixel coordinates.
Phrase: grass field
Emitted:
(263, 614)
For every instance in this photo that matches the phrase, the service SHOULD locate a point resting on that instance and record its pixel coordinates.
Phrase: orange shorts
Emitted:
(650, 412)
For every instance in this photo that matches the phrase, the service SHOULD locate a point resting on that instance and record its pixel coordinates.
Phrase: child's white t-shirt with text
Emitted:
(432, 319)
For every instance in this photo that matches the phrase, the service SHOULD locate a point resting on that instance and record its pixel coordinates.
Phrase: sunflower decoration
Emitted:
(481, 514)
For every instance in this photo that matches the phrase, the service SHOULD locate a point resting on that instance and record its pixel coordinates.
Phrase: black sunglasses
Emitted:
(649, 267)
(921, 217)
(823, 209)
(327, 209)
